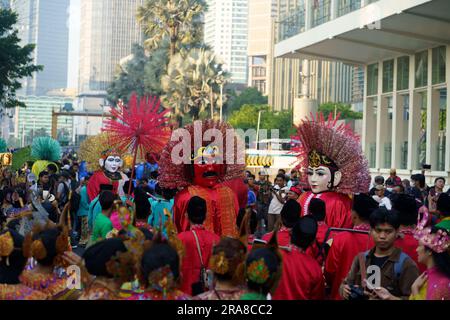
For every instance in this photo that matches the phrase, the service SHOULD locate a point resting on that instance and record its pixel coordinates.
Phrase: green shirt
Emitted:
(102, 226)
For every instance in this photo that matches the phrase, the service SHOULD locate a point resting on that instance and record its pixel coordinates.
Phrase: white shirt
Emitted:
(384, 202)
(275, 205)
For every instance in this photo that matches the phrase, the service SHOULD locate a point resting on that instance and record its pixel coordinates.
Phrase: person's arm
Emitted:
(408, 276)
(59, 191)
(277, 194)
(350, 279)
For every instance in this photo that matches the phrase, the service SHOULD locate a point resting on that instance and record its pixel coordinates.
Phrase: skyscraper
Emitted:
(44, 23)
(260, 39)
(329, 81)
(4, 4)
(226, 31)
(109, 29)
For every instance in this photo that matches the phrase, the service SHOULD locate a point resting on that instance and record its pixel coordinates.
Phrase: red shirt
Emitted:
(338, 208)
(283, 237)
(345, 246)
(222, 209)
(301, 279)
(409, 244)
(191, 264)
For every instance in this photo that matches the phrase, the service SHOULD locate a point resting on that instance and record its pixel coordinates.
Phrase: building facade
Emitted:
(108, 30)
(226, 31)
(329, 81)
(35, 120)
(261, 17)
(404, 48)
(44, 23)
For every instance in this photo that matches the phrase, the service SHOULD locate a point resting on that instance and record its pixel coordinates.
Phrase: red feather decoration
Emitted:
(139, 126)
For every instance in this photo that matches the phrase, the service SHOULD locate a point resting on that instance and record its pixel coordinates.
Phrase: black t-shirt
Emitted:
(378, 261)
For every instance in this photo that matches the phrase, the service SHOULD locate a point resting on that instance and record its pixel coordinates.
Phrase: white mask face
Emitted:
(320, 177)
(113, 163)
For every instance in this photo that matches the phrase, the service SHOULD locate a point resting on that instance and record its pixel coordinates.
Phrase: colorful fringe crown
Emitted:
(46, 148)
(438, 242)
(330, 144)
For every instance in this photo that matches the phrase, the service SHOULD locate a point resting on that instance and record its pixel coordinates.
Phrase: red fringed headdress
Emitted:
(139, 125)
(325, 143)
(173, 175)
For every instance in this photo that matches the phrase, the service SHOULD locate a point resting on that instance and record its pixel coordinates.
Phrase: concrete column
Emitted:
(397, 130)
(381, 119)
(364, 3)
(334, 9)
(432, 116)
(366, 118)
(447, 128)
(308, 14)
(414, 117)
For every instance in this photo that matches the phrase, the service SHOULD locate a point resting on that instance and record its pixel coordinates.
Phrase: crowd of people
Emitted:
(128, 247)
(209, 230)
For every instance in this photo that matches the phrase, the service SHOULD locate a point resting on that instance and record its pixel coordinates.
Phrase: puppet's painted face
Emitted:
(111, 163)
(319, 179)
(208, 166)
(207, 175)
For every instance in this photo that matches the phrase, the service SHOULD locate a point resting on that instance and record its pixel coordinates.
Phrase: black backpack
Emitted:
(75, 202)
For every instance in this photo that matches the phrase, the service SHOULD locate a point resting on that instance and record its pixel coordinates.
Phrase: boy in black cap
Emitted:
(302, 277)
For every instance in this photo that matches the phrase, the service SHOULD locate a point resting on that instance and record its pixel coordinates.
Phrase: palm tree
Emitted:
(193, 82)
(177, 20)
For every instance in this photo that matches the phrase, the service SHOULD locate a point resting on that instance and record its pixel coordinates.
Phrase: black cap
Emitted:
(290, 213)
(443, 204)
(364, 205)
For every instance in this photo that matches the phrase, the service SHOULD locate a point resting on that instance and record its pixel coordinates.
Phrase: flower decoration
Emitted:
(219, 263)
(258, 271)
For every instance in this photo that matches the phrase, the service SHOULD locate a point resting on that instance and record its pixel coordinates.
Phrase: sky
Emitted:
(74, 43)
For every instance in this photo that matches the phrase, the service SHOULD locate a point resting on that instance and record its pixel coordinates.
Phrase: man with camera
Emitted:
(279, 191)
(384, 272)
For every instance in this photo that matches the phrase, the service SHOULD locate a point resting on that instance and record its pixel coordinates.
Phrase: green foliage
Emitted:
(15, 61)
(248, 96)
(247, 118)
(344, 109)
(192, 82)
(142, 74)
(180, 21)
(20, 157)
(46, 148)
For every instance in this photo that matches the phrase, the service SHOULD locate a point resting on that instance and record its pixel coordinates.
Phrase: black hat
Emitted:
(406, 206)
(304, 232)
(443, 204)
(364, 205)
(197, 209)
(99, 254)
(290, 213)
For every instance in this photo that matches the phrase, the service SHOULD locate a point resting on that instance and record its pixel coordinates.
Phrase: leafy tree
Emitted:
(15, 61)
(248, 96)
(142, 74)
(192, 83)
(344, 109)
(178, 20)
(247, 118)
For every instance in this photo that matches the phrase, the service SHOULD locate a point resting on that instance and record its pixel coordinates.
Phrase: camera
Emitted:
(357, 293)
